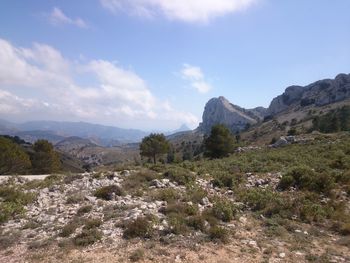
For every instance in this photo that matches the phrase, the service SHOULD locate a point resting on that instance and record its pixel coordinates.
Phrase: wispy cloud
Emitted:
(57, 17)
(196, 78)
(40, 83)
(198, 11)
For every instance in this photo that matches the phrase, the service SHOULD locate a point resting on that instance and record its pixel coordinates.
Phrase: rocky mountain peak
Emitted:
(221, 111)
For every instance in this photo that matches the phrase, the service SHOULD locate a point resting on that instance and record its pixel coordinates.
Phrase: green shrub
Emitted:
(84, 209)
(224, 179)
(286, 182)
(13, 202)
(266, 202)
(195, 194)
(169, 195)
(218, 233)
(87, 237)
(180, 175)
(177, 223)
(141, 227)
(304, 177)
(69, 228)
(344, 177)
(106, 192)
(197, 222)
(138, 180)
(181, 208)
(92, 223)
(224, 210)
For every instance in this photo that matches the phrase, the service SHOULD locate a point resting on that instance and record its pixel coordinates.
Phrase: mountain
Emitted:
(221, 111)
(85, 130)
(33, 136)
(296, 103)
(55, 131)
(317, 94)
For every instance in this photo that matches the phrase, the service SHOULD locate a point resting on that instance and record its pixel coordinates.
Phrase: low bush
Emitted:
(87, 237)
(169, 195)
(180, 175)
(224, 179)
(195, 194)
(224, 210)
(107, 192)
(180, 208)
(267, 202)
(141, 227)
(84, 209)
(13, 202)
(70, 228)
(139, 180)
(218, 234)
(304, 177)
(197, 222)
(177, 223)
(92, 223)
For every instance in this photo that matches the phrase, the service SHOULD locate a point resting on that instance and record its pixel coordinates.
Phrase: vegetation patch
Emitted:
(180, 175)
(107, 192)
(13, 202)
(141, 227)
(87, 237)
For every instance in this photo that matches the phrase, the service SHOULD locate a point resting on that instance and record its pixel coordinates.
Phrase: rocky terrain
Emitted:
(213, 211)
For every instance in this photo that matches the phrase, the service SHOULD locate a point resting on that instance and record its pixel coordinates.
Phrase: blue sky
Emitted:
(153, 64)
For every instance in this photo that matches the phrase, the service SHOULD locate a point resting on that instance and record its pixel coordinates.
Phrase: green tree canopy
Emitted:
(154, 145)
(220, 143)
(13, 159)
(44, 159)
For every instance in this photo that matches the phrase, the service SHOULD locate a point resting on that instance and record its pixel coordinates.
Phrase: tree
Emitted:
(153, 145)
(13, 159)
(220, 143)
(44, 159)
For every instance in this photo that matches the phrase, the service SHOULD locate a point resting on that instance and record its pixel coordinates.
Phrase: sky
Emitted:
(153, 64)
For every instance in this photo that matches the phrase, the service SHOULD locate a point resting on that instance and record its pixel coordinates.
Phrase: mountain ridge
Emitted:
(320, 93)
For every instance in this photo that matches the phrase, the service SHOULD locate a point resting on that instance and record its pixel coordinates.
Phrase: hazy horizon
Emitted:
(152, 65)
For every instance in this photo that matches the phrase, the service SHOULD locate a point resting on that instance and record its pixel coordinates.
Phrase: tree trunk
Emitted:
(154, 159)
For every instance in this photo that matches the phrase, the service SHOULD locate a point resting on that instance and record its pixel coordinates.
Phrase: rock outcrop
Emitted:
(320, 93)
(221, 111)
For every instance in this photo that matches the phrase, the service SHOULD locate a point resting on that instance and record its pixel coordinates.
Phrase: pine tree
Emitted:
(220, 143)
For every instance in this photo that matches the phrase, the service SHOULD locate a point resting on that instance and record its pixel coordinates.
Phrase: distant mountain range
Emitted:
(55, 132)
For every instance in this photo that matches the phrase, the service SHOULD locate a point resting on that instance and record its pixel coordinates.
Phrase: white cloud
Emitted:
(57, 17)
(196, 78)
(201, 11)
(39, 83)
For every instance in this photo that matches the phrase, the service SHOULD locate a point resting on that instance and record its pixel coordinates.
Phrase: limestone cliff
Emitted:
(221, 111)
